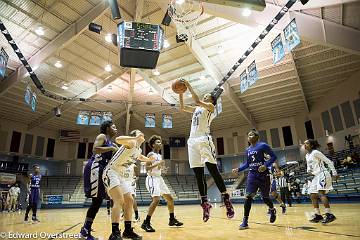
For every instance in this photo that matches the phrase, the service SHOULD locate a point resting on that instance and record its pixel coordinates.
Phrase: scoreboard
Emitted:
(140, 44)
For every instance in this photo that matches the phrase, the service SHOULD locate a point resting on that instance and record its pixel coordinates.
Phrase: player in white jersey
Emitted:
(131, 177)
(119, 189)
(201, 149)
(156, 185)
(321, 184)
(14, 192)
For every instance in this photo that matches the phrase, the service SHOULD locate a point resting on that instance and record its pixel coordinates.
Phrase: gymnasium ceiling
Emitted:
(222, 36)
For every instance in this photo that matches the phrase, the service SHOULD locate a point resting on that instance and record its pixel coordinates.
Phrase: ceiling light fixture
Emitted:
(246, 12)
(58, 64)
(108, 38)
(156, 72)
(108, 68)
(166, 43)
(40, 31)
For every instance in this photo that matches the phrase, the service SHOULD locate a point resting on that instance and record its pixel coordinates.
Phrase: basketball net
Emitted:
(186, 15)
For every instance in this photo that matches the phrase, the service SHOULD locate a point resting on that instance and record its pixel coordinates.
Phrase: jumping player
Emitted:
(34, 195)
(275, 172)
(321, 184)
(258, 177)
(103, 150)
(119, 189)
(156, 186)
(201, 149)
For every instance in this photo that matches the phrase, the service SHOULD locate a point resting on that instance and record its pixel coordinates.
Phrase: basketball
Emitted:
(178, 87)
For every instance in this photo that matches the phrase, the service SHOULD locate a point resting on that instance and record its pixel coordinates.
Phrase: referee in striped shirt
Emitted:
(284, 186)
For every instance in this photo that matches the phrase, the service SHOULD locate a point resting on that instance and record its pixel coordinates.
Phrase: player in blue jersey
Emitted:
(259, 176)
(34, 195)
(94, 188)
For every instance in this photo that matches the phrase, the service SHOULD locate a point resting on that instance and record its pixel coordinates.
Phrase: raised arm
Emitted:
(209, 106)
(99, 141)
(128, 142)
(142, 158)
(184, 108)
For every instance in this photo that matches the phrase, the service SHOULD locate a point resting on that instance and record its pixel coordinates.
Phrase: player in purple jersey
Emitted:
(258, 163)
(34, 195)
(103, 150)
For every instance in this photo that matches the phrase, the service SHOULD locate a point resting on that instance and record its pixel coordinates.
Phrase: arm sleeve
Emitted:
(243, 166)
(268, 150)
(323, 158)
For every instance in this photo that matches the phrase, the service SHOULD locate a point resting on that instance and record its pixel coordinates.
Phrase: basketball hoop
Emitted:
(185, 14)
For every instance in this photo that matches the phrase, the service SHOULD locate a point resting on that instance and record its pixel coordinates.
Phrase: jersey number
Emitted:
(195, 121)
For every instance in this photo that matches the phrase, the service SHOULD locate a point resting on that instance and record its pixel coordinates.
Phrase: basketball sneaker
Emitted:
(86, 234)
(130, 234)
(317, 218)
(175, 222)
(147, 227)
(34, 219)
(229, 208)
(137, 218)
(283, 209)
(329, 217)
(115, 236)
(26, 219)
(272, 215)
(206, 206)
(244, 225)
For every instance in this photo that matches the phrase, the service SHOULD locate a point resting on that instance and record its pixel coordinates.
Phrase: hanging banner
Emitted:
(277, 49)
(150, 120)
(218, 106)
(292, 36)
(244, 84)
(33, 102)
(95, 118)
(167, 121)
(107, 116)
(27, 95)
(4, 57)
(253, 73)
(83, 118)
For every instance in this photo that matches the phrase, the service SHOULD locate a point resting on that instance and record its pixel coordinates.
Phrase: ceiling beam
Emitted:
(300, 84)
(138, 15)
(161, 91)
(310, 28)
(130, 98)
(88, 93)
(213, 71)
(55, 45)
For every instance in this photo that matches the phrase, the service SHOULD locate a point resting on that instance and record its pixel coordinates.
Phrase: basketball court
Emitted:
(289, 226)
(208, 80)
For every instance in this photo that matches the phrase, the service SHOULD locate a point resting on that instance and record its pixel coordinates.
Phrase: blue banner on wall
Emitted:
(277, 49)
(150, 120)
(244, 84)
(292, 36)
(55, 199)
(167, 121)
(27, 96)
(33, 102)
(252, 73)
